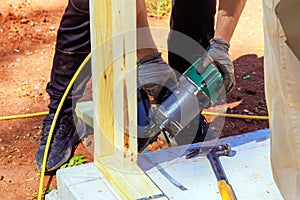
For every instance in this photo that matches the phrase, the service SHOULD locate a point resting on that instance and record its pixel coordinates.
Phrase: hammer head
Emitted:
(214, 151)
(221, 150)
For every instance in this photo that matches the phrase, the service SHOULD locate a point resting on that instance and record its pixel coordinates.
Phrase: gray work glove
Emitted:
(154, 73)
(217, 53)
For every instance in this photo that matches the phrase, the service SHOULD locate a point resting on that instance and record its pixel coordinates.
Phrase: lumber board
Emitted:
(114, 77)
(102, 70)
(124, 53)
(130, 181)
(113, 39)
(85, 111)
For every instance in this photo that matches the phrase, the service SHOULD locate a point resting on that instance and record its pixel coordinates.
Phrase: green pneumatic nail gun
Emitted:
(191, 94)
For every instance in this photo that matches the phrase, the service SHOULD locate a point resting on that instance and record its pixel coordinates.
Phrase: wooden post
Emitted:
(113, 37)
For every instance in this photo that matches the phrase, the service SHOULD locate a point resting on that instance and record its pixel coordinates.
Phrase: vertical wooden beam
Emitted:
(113, 38)
(113, 44)
(124, 53)
(102, 69)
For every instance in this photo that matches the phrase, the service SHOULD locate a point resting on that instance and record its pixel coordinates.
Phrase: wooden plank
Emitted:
(119, 93)
(130, 39)
(129, 180)
(115, 80)
(85, 111)
(124, 54)
(102, 69)
(113, 35)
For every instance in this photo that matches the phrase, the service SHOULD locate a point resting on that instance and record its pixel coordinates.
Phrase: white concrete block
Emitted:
(84, 182)
(51, 195)
(248, 171)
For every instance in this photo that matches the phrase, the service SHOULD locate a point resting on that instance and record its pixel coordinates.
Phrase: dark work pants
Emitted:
(194, 18)
(72, 46)
(192, 26)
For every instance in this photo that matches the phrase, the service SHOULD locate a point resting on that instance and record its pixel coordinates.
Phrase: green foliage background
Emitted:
(158, 8)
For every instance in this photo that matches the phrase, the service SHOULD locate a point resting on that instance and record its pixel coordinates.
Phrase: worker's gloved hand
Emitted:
(154, 73)
(217, 53)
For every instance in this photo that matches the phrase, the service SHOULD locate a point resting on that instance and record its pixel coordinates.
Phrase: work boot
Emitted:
(66, 136)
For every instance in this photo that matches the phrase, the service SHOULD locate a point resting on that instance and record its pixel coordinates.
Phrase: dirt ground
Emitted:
(27, 39)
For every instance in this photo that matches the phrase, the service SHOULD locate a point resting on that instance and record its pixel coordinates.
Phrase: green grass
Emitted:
(158, 8)
(76, 160)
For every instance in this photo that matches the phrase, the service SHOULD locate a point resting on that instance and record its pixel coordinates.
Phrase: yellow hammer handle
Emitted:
(225, 190)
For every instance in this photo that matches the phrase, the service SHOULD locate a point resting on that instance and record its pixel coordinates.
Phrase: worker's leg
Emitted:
(282, 71)
(195, 20)
(72, 46)
(192, 26)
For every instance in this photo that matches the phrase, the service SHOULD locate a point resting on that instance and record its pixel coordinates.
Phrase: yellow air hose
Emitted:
(235, 115)
(40, 194)
(24, 115)
(203, 112)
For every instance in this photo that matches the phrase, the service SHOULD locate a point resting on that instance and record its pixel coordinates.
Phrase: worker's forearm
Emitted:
(145, 42)
(229, 12)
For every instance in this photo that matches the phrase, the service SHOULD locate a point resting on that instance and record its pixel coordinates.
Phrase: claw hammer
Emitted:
(225, 188)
